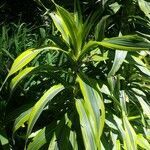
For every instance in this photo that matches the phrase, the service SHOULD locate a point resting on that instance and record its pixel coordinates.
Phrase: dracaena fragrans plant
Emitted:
(96, 101)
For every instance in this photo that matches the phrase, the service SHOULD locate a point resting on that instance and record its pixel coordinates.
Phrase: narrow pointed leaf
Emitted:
(119, 58)
(69, 24)
(60, 26)
(39, 106)
(23, 60)
(100, 29)
(145, 7)
(19, 77)
(141, 66)
(128, 43)
(43, 137)
(142, 142)
(92, 121)
(130, 135)
(21, 119)
(144, 105)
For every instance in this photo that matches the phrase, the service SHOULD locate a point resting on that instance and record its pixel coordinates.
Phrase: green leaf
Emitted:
(87, 48)
(26, 57)
(116, 143)
(23, 59)
(4, 143)
(142, 142)
(39, 106)
(42, 137)
(144, 70)
(21, 119)
(100, 28)
(119, 59)
(128, 43)
(123, 99)
(115, 7)
(144, 105)
(141, 66)
(130, 135)
(92, 121)
(60, 26)
(145, 7)
(19, 77)
(65, 23)
(56, 135)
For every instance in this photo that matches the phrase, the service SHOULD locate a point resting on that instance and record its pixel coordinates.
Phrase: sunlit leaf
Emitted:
(145, 106)
(39, 106)
(130, 135)
(119, 59)
(142, 142)
(128, 43)
(21, 119)
(145, 7)
(19, 77)
(92, 121)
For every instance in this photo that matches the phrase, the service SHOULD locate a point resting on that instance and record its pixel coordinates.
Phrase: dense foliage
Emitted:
(85, 84)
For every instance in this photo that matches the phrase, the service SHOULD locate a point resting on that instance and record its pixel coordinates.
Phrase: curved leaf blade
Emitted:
(119, 58)
(38, 107)
(23, 60)
(145, 7)
(19, 77)
(92, 120)
(129, 43)
(142, 142)
(130, 135)
(21, 119)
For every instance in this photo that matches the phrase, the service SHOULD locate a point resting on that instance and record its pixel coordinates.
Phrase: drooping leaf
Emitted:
(119, 58)
(19, 77)
(39, 106)
(130, 135)
(57, 135)
(127, 43)
(21, 119)
(144, 105)
(92, 121)
(43, 137)
(23, 60)
(26, 57)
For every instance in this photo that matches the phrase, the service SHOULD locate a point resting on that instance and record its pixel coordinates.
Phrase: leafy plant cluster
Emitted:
(88, 87)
